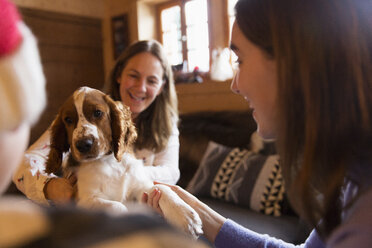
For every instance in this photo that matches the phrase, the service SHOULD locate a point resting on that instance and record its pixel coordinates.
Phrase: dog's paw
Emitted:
(177, 212)
(187, 218)
(116, 208)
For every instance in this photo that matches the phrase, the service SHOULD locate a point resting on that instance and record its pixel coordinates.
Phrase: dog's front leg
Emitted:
(175, 210)
(98, 203)
(99, 187)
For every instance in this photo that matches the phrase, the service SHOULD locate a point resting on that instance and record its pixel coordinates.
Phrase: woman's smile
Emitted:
(136, 98)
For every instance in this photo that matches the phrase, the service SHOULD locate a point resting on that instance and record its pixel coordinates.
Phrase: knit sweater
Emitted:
(354, 231)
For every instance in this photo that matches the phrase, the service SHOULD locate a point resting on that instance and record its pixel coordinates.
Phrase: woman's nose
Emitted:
(234, 83)
(141, 84)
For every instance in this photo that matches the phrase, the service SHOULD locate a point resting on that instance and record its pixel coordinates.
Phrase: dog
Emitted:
(97, 133)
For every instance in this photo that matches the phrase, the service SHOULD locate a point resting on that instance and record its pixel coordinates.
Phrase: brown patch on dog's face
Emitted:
(69, 117)
(97, 112)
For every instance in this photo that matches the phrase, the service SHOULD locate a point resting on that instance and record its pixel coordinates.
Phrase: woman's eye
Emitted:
(238, 62)
(97, 113)
(68, 120)
(154, 81)
(132, 75)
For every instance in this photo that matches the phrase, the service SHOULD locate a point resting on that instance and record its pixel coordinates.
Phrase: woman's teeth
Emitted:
(250, 104)
(136, 98)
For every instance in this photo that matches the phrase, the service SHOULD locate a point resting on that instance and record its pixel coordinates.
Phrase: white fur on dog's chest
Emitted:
(107, 178)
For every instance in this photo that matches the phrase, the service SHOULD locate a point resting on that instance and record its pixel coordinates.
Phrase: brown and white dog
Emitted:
(96, 133)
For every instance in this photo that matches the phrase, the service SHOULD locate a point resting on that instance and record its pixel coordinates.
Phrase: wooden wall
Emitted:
(208, 96)
(87, 8)
(71, 53)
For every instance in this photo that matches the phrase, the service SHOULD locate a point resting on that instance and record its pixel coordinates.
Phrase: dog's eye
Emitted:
(97, 113)
(68, 120)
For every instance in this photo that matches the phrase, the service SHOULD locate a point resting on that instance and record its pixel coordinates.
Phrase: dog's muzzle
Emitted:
(84, 145)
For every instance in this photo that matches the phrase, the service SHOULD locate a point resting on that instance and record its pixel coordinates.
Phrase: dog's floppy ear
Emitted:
(123, 130)
(58, 145)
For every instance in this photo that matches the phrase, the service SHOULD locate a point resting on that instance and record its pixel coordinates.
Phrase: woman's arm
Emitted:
(165, 163)
(212, 221)
(223, 232)
(31, 179)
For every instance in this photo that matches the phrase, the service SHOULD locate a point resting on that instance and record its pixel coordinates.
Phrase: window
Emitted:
(231, 13)
(185, 33)
(231, 19)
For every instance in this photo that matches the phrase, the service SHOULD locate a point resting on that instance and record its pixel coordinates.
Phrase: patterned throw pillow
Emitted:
(241, 176)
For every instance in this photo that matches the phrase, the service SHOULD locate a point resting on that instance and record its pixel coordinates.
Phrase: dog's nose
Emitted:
(84, 145)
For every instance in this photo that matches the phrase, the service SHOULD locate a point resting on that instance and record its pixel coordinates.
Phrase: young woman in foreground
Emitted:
(305, 67)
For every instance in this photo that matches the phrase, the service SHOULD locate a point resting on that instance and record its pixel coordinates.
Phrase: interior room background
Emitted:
(77, 46)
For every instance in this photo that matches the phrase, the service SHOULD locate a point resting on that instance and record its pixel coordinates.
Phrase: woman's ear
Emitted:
(122, 128)
(58, 145)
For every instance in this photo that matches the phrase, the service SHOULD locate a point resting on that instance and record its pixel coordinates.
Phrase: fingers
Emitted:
(172, 186)
(145, 196)
(155, 197)
(175, 188)
(169, 185)
(182, 193)
(59, 190)
(152, 200)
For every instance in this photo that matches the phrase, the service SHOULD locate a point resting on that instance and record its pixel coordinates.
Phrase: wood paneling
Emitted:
(209, 95)
(89, 8)
(71, 53)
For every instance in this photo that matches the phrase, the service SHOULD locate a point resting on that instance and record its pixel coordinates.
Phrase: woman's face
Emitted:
(256, 81)
(141, 81)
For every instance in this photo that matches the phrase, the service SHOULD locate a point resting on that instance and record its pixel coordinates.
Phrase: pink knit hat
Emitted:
(22, 82)
(10, 35)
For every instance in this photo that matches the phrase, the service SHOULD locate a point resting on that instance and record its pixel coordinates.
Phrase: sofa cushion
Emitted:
(229, 128)
(243, 177)
(286, 227)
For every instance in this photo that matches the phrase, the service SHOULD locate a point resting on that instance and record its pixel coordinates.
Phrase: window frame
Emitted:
(227, 22)
(228, 32)
(181, 4)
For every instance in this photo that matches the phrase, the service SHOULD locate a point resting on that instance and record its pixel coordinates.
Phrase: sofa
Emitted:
(219, 133)
(253, 195)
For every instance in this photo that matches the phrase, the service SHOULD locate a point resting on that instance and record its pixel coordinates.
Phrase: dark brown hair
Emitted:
(323, 53)
(154, 124)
